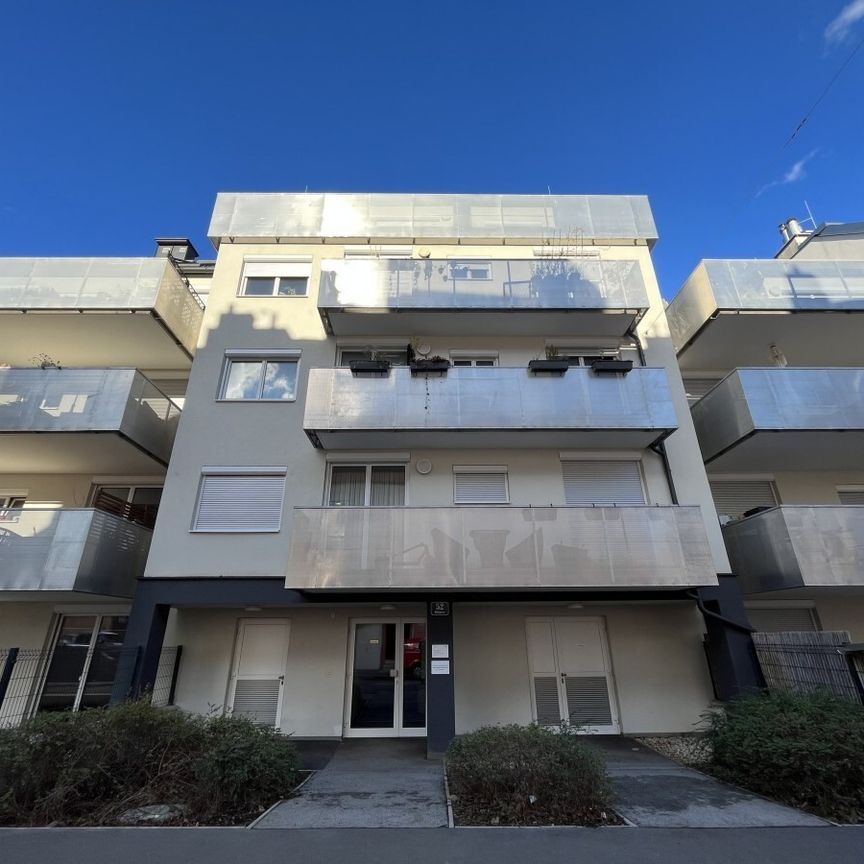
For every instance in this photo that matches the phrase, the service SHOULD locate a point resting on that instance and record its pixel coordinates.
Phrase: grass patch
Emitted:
(528, 775)
(803, 750)
(90, 767)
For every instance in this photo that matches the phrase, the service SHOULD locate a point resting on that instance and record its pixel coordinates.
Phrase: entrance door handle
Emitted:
(394, 673)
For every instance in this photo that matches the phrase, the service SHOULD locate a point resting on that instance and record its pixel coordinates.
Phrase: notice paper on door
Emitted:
(440, 667)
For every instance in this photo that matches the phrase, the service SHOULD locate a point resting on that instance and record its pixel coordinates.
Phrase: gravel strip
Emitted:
(693, 751)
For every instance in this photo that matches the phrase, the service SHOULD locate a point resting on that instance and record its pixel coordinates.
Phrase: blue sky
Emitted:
(122, 120)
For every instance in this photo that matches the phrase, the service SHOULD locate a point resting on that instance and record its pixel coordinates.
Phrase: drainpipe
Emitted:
(735, 625)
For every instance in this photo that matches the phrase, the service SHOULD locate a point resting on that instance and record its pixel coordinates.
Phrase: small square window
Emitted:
(272, 380)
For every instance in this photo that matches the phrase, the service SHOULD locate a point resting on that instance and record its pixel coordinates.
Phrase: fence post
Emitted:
(174, 672)
(6, 674)
(850, 659)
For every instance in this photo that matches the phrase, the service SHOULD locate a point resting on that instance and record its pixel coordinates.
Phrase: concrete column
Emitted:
(145, 632)
(440, 697)
(734, 666)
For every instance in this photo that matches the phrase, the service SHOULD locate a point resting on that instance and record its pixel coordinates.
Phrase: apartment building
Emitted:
(771, 355)
(436, 469)
(94, 358)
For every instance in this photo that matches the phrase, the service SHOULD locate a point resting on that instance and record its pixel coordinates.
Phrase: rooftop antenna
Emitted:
(548, 189)
(809, 218)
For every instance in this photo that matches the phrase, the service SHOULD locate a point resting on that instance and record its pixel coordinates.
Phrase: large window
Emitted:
(735, 497)
(234, 500)
(366, 486)
(395, 356)
(253, 378)
(602, 482)
(275, 278)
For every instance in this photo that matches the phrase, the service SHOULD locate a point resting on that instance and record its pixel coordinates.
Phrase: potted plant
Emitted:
(436, 365)
(554, 364)
(374, 366)
(612, 365)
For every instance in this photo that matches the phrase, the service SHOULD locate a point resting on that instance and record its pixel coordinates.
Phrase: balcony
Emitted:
(84, 421)
(483, 407)
(351, 548)
(82, 550)
(357, 217)
(783, 420)
(794, 547)
(57, 307)
(729, 313)
(394, 297)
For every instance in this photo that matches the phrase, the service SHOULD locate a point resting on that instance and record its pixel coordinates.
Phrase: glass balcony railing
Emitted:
(795, 546)
(84, 550)
(578, 407)
(345, 548)
(122, 401)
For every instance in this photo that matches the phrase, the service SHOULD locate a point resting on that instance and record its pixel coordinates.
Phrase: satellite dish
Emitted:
(423, 349)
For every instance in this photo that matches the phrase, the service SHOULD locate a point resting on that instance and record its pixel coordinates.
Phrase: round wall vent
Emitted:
(423, 466)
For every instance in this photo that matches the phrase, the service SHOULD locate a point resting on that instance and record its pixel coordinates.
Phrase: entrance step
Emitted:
(378, 783)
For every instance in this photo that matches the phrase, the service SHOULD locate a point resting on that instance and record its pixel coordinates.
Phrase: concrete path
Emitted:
(461, 846)
(654, 792)
(371, 783)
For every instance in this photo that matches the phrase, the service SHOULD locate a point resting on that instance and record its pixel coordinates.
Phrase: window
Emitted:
(587, 356)
(478, 361)
(480, 484)
(733, 498)
(248, 378)
(847, 495)
(782, 619)
(602, 482)
(135, 503)
(10, 505)
(275, 278)
(366, 486)
(240, 501)
(396, 356)
(697, 387)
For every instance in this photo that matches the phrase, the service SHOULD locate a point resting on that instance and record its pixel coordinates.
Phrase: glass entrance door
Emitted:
(387, 679)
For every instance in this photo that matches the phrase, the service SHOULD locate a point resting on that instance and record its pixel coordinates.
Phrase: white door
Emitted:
(571, 677)
(258, 671)
(386, 682)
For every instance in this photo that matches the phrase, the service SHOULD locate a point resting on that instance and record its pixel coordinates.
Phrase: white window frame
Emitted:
(262, 356)
(9, 510)
(572, 354)
(275, 269)
(471, 357)
(367, 491)
(380, 346)
(470, 262)
(483, 469)
(238, 471)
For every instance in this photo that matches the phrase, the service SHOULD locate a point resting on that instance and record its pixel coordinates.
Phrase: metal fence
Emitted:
(805, 662)
(33, 680)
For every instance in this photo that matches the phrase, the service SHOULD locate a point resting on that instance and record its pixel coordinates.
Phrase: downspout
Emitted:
(735, 625)
(657, 447)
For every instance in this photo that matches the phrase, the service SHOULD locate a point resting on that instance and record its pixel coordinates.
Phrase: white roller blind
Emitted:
(480, 487)
(851, 496)
(782, 620)
(240, 502)
(735, 497)
(602, 482)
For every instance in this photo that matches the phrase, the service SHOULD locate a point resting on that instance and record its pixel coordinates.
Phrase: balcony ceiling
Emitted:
(805, 338)
(793, 450)
(90, 339)
(73, 453)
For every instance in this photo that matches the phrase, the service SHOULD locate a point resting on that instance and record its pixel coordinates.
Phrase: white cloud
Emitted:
(840, 28)
(793, 175)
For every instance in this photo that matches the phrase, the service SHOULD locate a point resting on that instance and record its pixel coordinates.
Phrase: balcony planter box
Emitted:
(611, 365)
(552, 367)
(431, 367)
(371, 368)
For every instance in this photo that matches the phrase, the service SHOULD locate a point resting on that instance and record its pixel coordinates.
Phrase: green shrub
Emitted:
(527, 775)
(803, 750)
(90, 767)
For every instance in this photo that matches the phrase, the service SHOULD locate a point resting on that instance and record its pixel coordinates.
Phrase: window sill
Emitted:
(256, 401)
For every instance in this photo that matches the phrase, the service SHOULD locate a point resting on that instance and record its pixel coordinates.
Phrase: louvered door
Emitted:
(571, 678)
(258, 673)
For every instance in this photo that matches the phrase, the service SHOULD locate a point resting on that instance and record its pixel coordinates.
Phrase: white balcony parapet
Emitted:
(777, 418)
(579, 408)
(564, 219)
(83, 550)
(149, 285)
(120, 401)
(353, 548)
(798, 546)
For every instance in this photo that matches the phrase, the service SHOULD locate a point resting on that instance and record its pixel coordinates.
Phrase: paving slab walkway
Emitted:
(654, 792)
(370, 783)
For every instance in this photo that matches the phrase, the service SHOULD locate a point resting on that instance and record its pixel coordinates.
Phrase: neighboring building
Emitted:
(93, 354)
(771, 354)
(401, 549)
